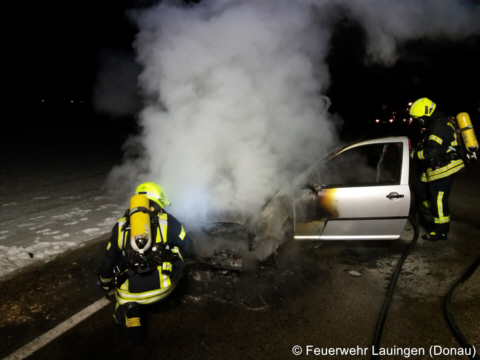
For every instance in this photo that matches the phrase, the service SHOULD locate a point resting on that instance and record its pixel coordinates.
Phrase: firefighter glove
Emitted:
(105, 284)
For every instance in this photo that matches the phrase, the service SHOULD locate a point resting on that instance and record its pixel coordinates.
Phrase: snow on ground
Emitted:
(53, 198)
(32, 237)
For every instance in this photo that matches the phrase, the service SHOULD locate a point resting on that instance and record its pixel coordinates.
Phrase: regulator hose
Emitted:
(391, 288)
(448, 314)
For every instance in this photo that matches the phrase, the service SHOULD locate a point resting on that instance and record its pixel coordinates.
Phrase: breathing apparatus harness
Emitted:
(449, 153)
(150, 258)
(140, 254)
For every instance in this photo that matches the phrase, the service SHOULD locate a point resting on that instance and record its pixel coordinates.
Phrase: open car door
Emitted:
(359, 192)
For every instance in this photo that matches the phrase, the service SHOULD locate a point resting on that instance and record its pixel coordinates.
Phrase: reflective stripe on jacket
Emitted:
(439, 148)
(147, 288)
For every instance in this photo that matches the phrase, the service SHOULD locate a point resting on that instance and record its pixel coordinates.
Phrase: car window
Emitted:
(367, 165)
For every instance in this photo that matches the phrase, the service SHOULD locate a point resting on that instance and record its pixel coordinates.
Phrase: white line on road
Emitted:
(43, 340)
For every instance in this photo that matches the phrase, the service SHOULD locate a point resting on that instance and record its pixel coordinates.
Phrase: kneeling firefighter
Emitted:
(440, 161)
(144, 259)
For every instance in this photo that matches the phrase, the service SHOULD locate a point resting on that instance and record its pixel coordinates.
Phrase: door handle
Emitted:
(395, 195)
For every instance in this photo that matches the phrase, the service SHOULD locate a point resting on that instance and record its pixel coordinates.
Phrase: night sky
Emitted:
(52, 52)
(446, 71)
(53, 60)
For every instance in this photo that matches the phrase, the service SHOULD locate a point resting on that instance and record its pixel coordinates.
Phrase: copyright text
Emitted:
(433, 351)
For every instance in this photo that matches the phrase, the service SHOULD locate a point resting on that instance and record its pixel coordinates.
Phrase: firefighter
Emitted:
(145, 266)
(439, 163)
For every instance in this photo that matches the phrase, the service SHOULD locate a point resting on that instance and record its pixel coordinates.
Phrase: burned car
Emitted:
(358, 192)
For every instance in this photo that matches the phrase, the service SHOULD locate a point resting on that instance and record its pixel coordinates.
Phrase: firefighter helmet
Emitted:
(422, 107)
(153, 192)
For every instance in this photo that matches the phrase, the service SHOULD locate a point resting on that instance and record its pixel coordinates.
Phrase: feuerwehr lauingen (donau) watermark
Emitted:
(433, 351)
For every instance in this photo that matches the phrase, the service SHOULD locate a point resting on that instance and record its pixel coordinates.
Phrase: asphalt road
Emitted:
(324, 297)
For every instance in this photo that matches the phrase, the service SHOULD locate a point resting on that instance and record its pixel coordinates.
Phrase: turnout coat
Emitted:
(150, 286)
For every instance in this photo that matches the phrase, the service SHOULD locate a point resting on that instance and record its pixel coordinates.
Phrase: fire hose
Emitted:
(446, 306)
(448, 314)
(391, 288)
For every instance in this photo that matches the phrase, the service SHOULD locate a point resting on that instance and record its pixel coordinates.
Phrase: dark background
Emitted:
(51, 51)
(51, 59)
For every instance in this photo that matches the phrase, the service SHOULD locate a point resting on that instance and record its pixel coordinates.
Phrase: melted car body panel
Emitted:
(360, 192)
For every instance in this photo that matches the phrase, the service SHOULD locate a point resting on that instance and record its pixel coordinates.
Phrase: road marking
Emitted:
(43, 340)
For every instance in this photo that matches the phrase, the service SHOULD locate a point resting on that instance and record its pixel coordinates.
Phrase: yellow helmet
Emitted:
(422, 107)
(153, 192)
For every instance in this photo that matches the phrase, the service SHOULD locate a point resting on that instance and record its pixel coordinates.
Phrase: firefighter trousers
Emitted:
(435, 196)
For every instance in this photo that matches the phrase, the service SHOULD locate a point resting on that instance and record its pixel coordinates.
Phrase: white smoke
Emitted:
(234, 90)
(116, 90)
(389, 23)
(236, 100)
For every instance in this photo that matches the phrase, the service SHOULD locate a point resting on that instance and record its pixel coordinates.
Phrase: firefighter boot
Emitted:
(434, 237)
(135, 330)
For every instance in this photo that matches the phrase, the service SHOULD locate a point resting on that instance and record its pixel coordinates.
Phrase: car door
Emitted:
(359, 192)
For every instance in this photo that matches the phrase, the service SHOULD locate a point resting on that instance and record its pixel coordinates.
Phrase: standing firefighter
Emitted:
(143, 261)
(439, 161)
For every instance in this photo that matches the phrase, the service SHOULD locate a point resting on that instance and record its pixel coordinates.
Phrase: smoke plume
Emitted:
(233, 90)
(116, 85)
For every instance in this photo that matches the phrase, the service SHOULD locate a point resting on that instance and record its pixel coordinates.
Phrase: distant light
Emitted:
(390, 120)
(377, 120)
(71, 101)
